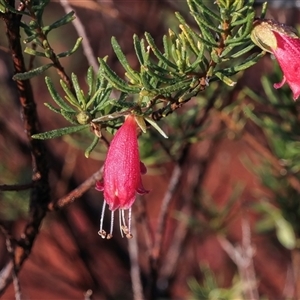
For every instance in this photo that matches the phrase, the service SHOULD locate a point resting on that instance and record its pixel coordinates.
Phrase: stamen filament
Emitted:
(102, 232)
(120, 222)
(109, 236)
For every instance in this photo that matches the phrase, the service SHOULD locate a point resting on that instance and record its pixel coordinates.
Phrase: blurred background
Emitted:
(224, 186)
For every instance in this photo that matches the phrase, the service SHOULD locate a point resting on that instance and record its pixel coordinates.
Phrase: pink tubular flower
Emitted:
(282, 41)
(122, 176)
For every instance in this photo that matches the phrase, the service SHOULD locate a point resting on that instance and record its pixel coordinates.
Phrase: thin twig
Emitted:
(40, 193)
(51, 54)
(242, 256)
(136, 283)
(11, 250)
(76, 193)
(87, 49)
(174, 181)
(169, 266)
(16, 187)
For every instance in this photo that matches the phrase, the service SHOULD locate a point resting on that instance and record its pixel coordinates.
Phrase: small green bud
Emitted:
(84, 117)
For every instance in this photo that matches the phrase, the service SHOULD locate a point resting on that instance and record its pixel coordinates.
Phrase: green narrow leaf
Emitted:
(157, 53)
(56, 97)
(91, 147)
(207, 11)
(235, 39)
(69, 95)
(139, 47)
(141, 123)
(204, 22)
(69, 17)
(33, 52)
(122, 59)
(250, 61)
(52, 108)
(32, 73)
(3, 8)
(180, 86)
(166, 49)
(154, 124)
(115, 80)
(90, 79)
(71, 51)
(225, 79)
(58, 132)
(31, 38)
(246, 48)
(285, 233)
(78, 91)
(71, 117)
(190, 38)
(145, 79)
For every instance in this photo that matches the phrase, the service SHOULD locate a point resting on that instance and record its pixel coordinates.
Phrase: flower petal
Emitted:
(287, 54)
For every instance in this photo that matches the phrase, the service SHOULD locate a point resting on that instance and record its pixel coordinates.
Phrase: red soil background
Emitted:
(68, 257)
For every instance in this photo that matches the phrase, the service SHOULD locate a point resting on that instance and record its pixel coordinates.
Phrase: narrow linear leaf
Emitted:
(115, 80)
(69, 95)
(56, 97)
(122, 59)
(145, 79)
(157, 53)
(63, 21)
(139, 48)
(33, 52)
(32, 73)
(71, 51)
(180, 86)
(31, 38)
(250, 61)
(225, 79)
(59, 132)
(208, 11)
(242, 51)
(203, 22)
(154, 124)
(90, 79)
(78, 91)
(71, 117)
(52, 108)
(91, 147)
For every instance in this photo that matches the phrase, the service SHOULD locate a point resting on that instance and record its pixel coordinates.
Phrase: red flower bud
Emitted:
(282, 41)
(122, 174)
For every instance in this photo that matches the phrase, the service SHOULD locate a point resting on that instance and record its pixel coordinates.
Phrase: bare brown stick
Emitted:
(52, 56)
(76, 193)
(15, 187)
(242, 256)
(133, 250)
(174, 182)
(40, 193)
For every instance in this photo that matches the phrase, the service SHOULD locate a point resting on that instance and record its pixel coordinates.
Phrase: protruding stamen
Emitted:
(109, 236)
(129, 222)
(101, 232)
(123, 219)
(120, 221)
(124, 228)
(129, 236)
